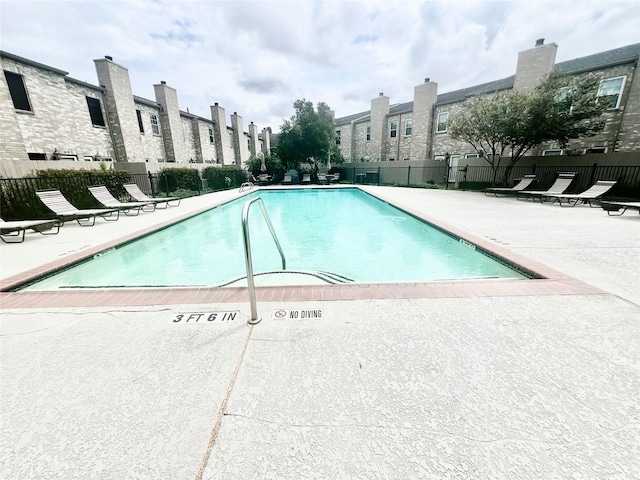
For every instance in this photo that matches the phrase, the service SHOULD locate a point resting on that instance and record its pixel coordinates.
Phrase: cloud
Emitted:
(258, 57)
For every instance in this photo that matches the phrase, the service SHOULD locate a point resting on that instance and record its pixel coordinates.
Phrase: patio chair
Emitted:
(306, 178)
(102, 195)
(322, 179)
(335, 178)
(264, 179)
(58, 204)
(588, 196)
(139, 196)
(613, 207)
(10, 231)
(559, 187)
(287, 179)
(521, 185)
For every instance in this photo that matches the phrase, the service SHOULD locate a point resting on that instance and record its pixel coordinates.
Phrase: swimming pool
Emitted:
(336, 235)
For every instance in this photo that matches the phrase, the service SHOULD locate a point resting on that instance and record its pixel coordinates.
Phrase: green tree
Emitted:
(309, 136)
(562, 108)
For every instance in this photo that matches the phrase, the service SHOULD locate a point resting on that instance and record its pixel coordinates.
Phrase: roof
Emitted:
(596, 61)
(617, 56)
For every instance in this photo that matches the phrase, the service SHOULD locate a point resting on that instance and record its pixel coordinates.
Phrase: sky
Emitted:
(258, 57)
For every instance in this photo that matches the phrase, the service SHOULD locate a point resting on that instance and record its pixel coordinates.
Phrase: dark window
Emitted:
(95, 111)
(140, 125)
(338, 133)
(368, 133)
(37, 156)
(18, 91)
(211, 139)
(394, 129)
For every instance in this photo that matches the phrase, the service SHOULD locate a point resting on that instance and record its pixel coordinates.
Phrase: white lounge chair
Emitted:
(522, 184)
(10, 231)
(559, 186)
(588, 196)
(102, 195)
(139, 196)
(613, 208)
(58, 204)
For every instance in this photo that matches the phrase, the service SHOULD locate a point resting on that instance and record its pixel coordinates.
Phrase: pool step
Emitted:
(290, 277)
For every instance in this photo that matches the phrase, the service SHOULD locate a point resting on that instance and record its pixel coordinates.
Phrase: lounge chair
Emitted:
(287, 179)
(10, 231)
(101, 194)
(264, 179)
(306, 178)
(335, 178)
(139, 196)
(613, 207)
(322, 179)
(559, 186)
(588, 196)
(58, 204)
(522, 184)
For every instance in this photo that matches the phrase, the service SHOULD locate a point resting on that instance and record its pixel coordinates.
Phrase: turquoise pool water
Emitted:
(345, 232)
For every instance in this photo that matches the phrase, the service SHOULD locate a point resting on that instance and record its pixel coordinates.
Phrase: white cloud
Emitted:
(258, 57)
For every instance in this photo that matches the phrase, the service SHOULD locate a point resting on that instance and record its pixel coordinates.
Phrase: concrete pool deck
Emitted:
(476, 381)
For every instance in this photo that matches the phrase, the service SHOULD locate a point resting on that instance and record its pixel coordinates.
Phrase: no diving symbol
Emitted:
(279, 314)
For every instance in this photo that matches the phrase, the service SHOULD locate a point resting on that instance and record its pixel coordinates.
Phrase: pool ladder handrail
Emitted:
(247, 253)
(247, 185)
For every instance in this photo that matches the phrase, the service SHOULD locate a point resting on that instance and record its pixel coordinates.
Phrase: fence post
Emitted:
(378, 176)
(593, 173)
(151, 183)
(408, 175)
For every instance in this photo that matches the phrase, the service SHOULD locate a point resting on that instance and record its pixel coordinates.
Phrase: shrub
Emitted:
(222, 178)
(171, 179)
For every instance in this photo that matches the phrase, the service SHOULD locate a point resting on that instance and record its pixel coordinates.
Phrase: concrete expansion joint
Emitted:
(223, 408)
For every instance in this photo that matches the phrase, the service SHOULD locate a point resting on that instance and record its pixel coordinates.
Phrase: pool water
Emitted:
(344, 232)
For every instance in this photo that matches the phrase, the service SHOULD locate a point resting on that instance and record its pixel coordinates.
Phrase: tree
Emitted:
(562, 108)
(309, 136)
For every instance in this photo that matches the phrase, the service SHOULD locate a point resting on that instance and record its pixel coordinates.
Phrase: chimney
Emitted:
(539, 42)
(381, 94)
(427, 80)
(108, 57)
(162, 82)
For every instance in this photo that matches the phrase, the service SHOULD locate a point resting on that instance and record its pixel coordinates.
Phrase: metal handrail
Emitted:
(247, 253)
(249, 186)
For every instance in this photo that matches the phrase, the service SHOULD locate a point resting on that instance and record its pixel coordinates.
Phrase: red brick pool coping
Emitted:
(547, 281)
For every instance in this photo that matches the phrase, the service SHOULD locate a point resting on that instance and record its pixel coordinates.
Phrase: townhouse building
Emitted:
(50, 120)
(418, 130)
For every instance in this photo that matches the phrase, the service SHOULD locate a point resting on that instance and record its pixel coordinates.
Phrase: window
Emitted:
(611, 88)
(408, 126)
(471, 155)
(95, 112)
(338, 133)
(393, 131)
(248, 144)
(406, 159)
(37, 156)
(596, 150)
(155, 129)
(552, 152)
(18, 91)
(88, 158)
(231, 139)
(392, 159)
(442, 122)
(140, 126)
(368, 133)
(73, 158)
(211, 140)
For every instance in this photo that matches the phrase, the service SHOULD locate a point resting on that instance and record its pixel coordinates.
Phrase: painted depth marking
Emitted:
(205, 317)
(296, 314)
